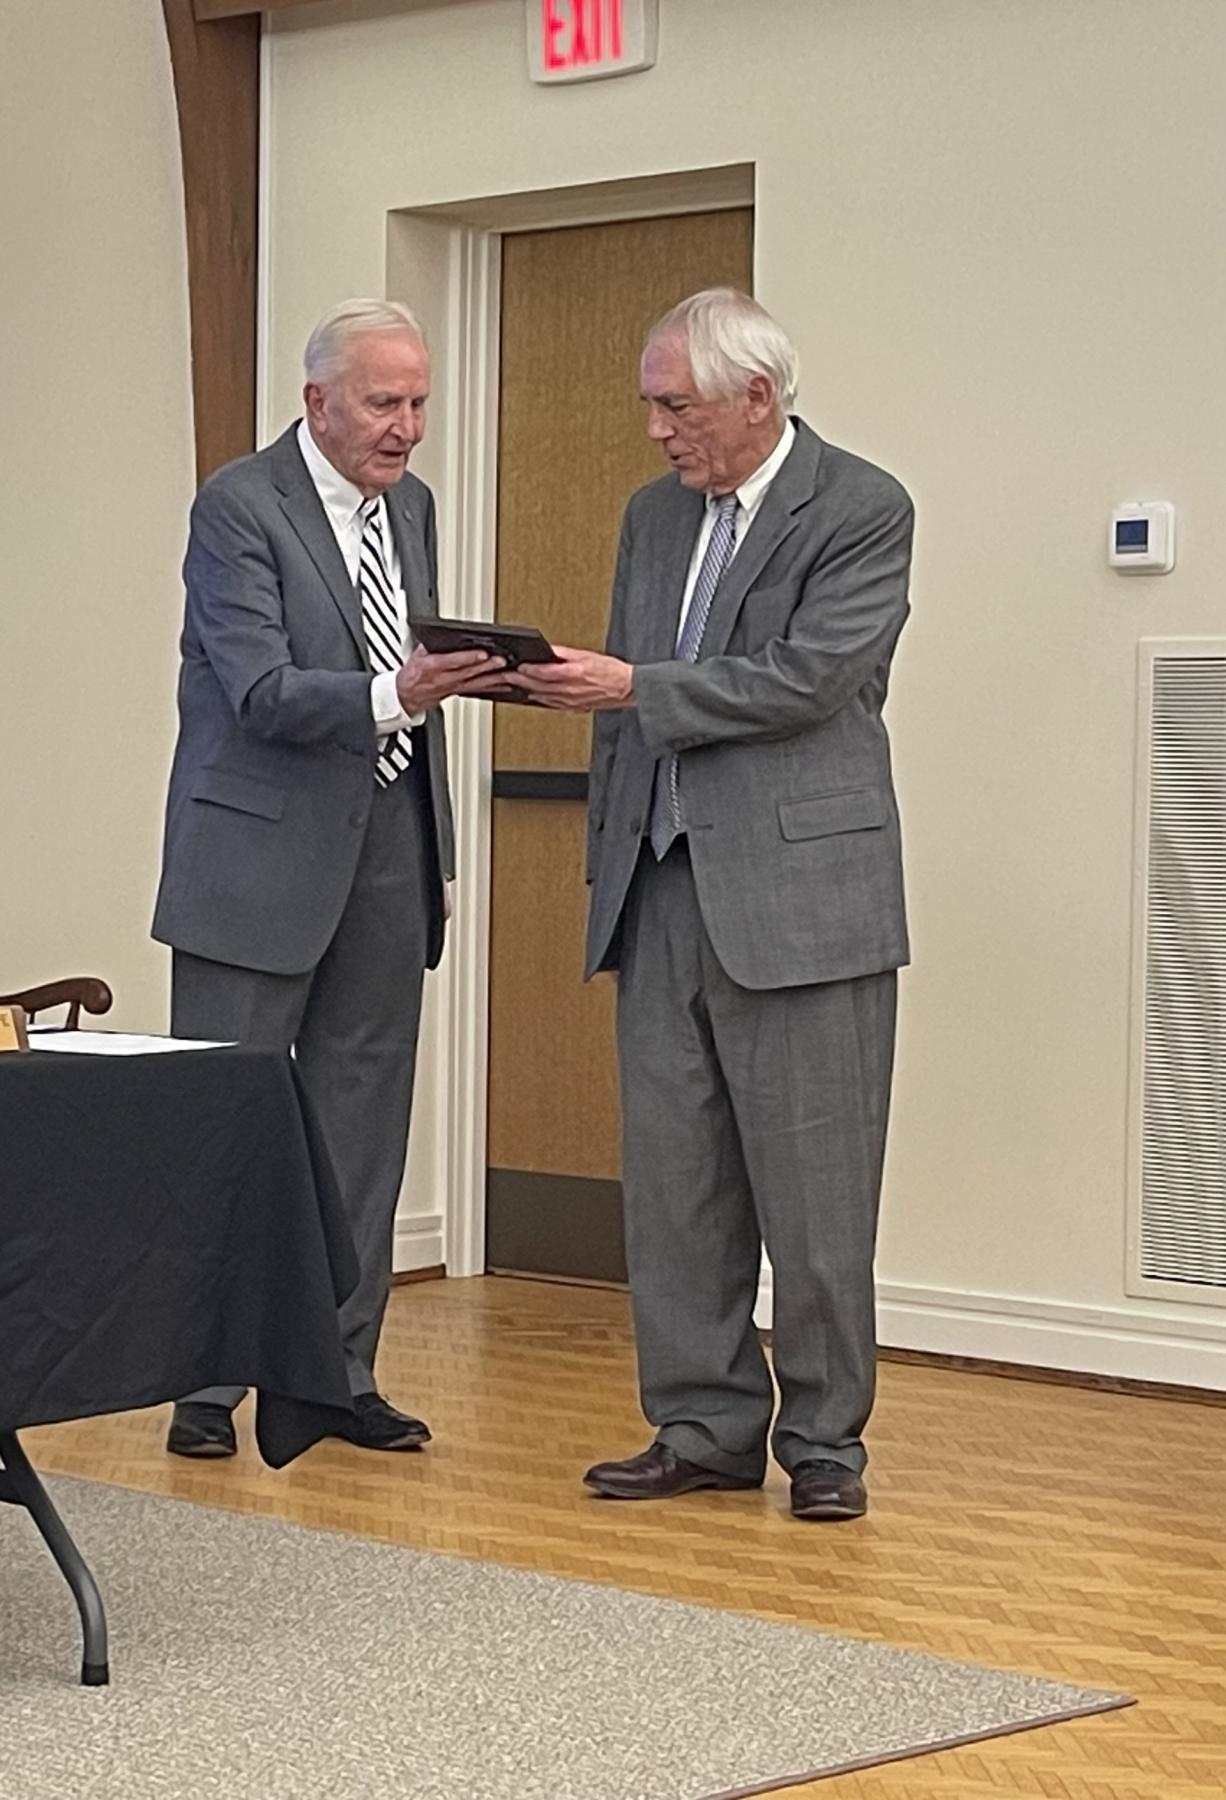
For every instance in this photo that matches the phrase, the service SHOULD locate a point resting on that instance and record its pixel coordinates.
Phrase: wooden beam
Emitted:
(217, 89)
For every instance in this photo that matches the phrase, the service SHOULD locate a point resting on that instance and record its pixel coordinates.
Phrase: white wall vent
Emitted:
(1177, 1162)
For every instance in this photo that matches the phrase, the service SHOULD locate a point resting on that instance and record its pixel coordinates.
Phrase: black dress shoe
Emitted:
(200, 1428)
(377, 1426)
(657, 1474)
(827, 1490)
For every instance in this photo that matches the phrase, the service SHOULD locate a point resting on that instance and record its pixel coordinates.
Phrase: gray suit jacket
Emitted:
(784, 761)
(273, 774)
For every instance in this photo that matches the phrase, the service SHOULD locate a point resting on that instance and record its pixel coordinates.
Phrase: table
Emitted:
(167, 1222)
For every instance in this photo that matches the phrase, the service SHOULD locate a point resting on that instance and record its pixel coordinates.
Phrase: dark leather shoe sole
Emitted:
(832, 1511)
(689, 1484)
(409, 1441)
(201, 1450)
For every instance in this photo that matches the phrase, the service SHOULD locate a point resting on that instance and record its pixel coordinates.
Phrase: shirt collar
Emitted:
(341, 499)
(751, 491)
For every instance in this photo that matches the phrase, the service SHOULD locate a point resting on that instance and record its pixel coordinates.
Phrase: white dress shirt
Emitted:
(342, 502)
(749, 496)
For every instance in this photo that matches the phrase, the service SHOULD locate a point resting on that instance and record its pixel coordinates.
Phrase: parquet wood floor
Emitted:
(1073, 1534)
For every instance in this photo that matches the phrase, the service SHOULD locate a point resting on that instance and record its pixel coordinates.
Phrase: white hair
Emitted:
(328, 344)
(730, 339)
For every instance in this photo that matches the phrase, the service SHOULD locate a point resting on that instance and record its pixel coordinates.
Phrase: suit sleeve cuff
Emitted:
(653, 688)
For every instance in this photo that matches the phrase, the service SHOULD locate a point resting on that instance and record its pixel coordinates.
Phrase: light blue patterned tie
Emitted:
(666, 822)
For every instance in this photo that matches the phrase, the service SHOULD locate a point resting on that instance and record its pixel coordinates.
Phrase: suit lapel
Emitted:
(304, 509)
(408, 531)
(657, 629)
(775, 520)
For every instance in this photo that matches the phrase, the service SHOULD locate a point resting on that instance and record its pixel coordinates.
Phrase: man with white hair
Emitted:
(308, 825)
(746, 884)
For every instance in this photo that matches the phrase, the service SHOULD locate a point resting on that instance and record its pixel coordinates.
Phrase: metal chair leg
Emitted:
(20, 1484)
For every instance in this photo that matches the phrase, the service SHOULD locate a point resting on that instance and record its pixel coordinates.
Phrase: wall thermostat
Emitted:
(1141, 539)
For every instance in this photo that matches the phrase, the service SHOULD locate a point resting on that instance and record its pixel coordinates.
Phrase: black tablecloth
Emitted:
(169, 1222)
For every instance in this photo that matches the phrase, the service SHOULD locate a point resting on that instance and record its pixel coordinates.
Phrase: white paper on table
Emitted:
(111, 1043)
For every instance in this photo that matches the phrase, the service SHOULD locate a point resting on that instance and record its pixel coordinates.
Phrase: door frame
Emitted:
(468, 559)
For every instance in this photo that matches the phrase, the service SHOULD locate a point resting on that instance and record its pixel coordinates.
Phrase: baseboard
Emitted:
(417, 1243)
(579, 1281)
(1161, 1347)
(1075, 1378)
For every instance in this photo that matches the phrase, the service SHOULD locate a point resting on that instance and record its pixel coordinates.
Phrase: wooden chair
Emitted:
(18, 1482)
(75, 992)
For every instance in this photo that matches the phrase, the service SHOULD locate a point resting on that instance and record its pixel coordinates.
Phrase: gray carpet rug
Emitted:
(253, 1660)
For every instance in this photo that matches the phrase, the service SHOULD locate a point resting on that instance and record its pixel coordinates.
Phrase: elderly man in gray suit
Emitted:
(308, 826)
(746, 884)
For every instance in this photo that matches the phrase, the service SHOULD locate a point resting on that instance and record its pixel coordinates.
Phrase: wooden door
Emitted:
(576, 304)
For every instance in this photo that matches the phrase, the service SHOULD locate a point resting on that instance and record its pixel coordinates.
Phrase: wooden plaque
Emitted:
(13, 1028)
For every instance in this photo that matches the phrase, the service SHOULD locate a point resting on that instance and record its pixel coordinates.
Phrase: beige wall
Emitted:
(995, 230)
(95, 426)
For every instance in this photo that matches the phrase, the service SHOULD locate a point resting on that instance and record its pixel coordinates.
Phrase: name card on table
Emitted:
(585, 40)
(13, 1028)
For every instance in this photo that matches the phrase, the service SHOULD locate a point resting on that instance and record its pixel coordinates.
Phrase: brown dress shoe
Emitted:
(827, 1490)
(657, 1474)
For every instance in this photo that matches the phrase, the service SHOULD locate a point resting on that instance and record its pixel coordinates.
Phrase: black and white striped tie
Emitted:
(384, 641)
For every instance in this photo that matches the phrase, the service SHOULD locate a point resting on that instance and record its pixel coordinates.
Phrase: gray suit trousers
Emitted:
(352, 1022)
(749, 1117)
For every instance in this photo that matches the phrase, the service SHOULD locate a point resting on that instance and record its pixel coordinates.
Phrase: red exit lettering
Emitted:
(577, 33)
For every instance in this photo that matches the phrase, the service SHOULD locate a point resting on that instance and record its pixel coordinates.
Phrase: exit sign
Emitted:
(583, 40)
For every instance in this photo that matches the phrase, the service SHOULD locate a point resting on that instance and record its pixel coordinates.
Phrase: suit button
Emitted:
(636, 828)
(358, 818)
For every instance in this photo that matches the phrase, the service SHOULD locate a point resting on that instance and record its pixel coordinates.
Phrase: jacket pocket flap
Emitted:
(823, 815)
(243, 793)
